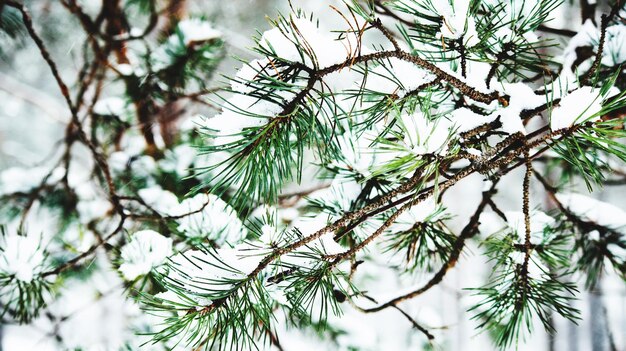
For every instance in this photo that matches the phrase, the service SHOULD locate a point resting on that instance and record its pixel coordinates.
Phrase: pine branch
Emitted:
(468, 232)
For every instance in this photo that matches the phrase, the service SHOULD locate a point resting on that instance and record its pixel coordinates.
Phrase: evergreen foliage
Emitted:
(377, 123)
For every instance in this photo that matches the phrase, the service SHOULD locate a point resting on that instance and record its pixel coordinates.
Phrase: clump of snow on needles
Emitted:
(21, 256)
(146, 250)
(576, 107)
(424, 136)
(322, 50)
(595, 211)
(456, 21)
(203, 216)
(208, 216)
(396, 76)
